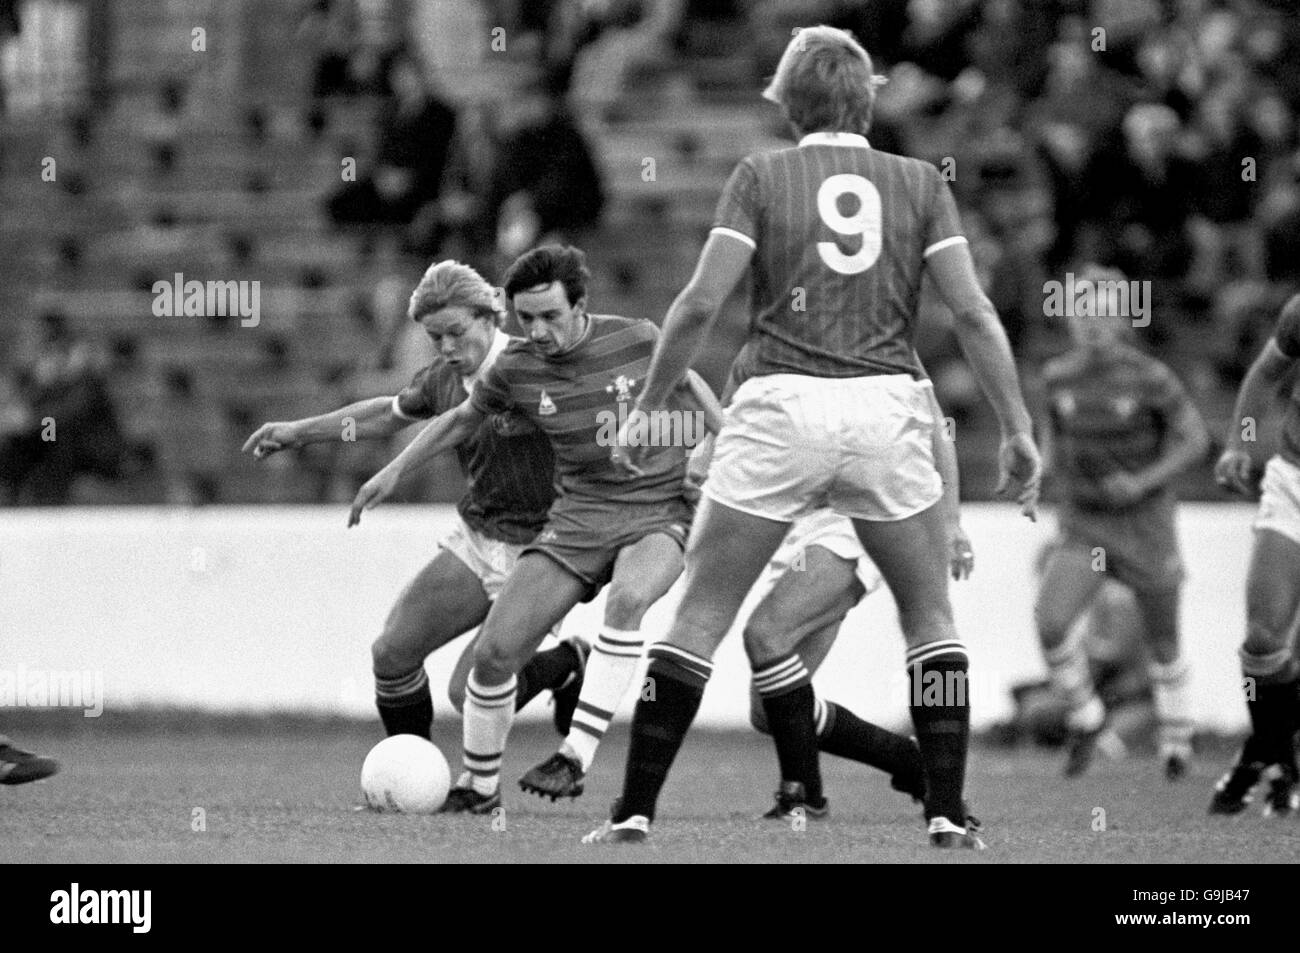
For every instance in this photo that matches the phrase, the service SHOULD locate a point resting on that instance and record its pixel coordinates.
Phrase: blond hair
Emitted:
(449, 284)
(825, 82)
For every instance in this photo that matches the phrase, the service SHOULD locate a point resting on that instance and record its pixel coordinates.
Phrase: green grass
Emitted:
(287, 793)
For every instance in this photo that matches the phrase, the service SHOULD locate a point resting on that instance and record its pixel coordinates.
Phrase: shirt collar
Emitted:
(835, 139)
(499, 342)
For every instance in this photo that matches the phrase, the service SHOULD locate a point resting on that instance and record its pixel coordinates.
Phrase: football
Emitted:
(405, 774)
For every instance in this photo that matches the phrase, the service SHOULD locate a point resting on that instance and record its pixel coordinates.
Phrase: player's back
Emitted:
(841, 232)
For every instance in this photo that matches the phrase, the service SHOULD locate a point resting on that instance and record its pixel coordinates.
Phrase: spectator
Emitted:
(415, 138)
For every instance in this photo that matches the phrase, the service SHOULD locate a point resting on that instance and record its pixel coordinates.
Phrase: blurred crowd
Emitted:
(1158, 137)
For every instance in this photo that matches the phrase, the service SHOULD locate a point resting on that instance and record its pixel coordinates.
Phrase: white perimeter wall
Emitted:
(275, 608)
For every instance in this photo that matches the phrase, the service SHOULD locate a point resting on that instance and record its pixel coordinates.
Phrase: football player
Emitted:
(573, 377)
(1268, 654)
(837, 236)
(1119, 429)
(510, 474)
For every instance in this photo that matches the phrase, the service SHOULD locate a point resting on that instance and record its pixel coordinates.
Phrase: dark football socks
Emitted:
(785, 688)
(940, 706)
(845, 735)
(1273, 718)
(404, 703)
(545, 671)
(675, 684)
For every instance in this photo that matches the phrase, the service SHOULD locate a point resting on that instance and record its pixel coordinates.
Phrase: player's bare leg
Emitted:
(1169, 676)
(536, 597)
(558, 669)
(1070, 582)
(643, 573)
(912, 556)
(1270, 674)
(786, 639)
(726, 552)
(806, 609)
(444, 600)
(21, 767)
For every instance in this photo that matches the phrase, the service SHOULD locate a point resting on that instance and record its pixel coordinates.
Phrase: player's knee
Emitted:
(388, 658)
(494, 660)
(625, 607)
(763, 642)
(456, 691)
(1052, 628)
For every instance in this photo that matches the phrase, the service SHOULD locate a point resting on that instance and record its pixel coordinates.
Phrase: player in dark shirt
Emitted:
(1269, 664)
(510, 470)
(836, 236)
(573, 378)
(1120, 428)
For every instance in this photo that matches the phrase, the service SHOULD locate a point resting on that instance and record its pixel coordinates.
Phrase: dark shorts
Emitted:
(586, 536)
(1140, 544)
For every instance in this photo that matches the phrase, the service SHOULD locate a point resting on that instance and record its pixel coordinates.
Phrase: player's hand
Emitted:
(268, 438)
(961, 558)
(373, 492)
(1122, 488)
(1020, 472)
(625, 456)
(1232, 471)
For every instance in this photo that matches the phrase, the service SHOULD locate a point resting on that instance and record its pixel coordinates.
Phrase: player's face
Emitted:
(549, 322)
(461, 336)
(1097, 331)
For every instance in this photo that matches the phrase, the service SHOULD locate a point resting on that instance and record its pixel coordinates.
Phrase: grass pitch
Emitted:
(287, 791)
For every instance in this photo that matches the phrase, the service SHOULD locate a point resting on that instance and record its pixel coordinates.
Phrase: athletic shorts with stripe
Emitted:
(860, 446)
(585, 536)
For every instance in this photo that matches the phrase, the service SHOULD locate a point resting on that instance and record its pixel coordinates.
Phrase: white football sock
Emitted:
(489, 712)
(1068, 667)
(610, 668)
(1173, 706)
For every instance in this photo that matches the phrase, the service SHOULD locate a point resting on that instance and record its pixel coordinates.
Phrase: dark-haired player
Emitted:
(509, 466)
(1120, 429)
(19, 767)
(1268, 654)
(573, 378)
(837, 236)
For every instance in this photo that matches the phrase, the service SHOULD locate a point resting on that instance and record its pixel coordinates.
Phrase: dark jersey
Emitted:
(508, 463)
(1108, 412)
(579, 398)
(840, 232)
(1287, 335)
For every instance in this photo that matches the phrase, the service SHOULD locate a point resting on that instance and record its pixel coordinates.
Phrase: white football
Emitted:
(405, 774)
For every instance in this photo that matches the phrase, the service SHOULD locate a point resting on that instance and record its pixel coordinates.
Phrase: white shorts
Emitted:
(1279, 501)
(490, 559)
(832, 532)
(861, 446)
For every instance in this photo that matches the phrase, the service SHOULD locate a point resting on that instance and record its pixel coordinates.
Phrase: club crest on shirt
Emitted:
(545, 406)
(621, 388)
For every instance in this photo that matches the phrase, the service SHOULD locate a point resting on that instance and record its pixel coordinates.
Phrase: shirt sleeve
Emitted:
(944, 225)
(491, 394)
(738, 208)
(1287, 333)
(418, 400)
(1168, 395)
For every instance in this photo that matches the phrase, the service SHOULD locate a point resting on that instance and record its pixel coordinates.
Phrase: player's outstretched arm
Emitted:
(445, 432)
(722, 263)
(364, 420)
(1233, 467)
(987, 350)
(698, 395)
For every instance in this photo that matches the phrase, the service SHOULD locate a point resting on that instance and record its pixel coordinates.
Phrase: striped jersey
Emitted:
(508, 462)
(579, 398)
(840, 233)
(1108, 411)
(1287, 335)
